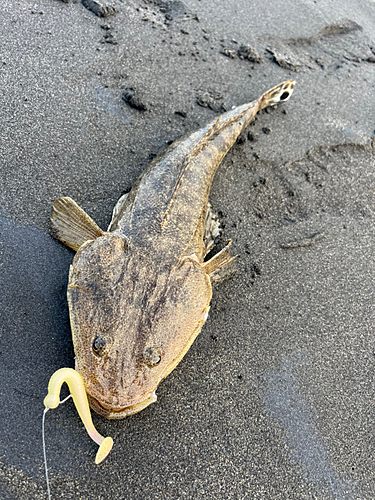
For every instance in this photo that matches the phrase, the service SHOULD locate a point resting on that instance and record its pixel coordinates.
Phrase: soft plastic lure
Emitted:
(78, 392)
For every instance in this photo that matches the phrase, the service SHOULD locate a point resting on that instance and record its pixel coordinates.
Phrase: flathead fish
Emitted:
(140, 292)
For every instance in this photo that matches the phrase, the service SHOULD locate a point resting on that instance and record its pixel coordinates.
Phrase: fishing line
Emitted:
(44, 453)
(44, 445)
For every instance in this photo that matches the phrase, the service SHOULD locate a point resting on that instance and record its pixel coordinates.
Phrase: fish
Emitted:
(140, 292)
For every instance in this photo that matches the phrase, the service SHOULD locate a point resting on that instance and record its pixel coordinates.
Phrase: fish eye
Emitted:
(98, 345)
(284, 96)
(151, 356)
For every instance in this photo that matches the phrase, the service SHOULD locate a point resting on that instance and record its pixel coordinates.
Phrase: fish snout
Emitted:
(116, 408)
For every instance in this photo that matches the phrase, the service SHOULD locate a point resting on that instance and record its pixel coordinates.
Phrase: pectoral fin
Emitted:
(71, 225)
(220, 266)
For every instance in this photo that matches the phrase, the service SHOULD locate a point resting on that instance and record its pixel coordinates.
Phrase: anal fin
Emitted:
(71, 225)
(220, 266)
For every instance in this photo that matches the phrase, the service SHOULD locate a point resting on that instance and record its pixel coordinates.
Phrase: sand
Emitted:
(275, 399)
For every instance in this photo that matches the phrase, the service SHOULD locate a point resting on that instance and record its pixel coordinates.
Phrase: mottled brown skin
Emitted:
(139, 294)
(133, 303)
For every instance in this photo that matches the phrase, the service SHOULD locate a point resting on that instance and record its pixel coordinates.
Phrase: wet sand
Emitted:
(275, 399)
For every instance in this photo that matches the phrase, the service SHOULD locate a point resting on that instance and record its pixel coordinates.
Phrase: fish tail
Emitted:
(280, 93)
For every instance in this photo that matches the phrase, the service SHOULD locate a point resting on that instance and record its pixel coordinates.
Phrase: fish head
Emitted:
(132, 321)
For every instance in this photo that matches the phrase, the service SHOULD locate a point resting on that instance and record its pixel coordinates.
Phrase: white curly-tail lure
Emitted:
(78, 392)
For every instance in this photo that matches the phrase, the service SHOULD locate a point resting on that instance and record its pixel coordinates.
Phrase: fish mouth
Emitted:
(116, 412)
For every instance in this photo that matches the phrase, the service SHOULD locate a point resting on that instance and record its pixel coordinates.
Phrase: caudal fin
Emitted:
(280, 93)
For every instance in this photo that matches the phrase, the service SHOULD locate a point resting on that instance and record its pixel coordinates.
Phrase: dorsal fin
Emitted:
(71, 225)
(217, 127)
(184, 165)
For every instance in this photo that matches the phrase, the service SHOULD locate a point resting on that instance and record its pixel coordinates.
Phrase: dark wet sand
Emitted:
(275, 400)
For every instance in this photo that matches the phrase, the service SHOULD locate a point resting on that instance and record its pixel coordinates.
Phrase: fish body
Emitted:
(140, 292)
